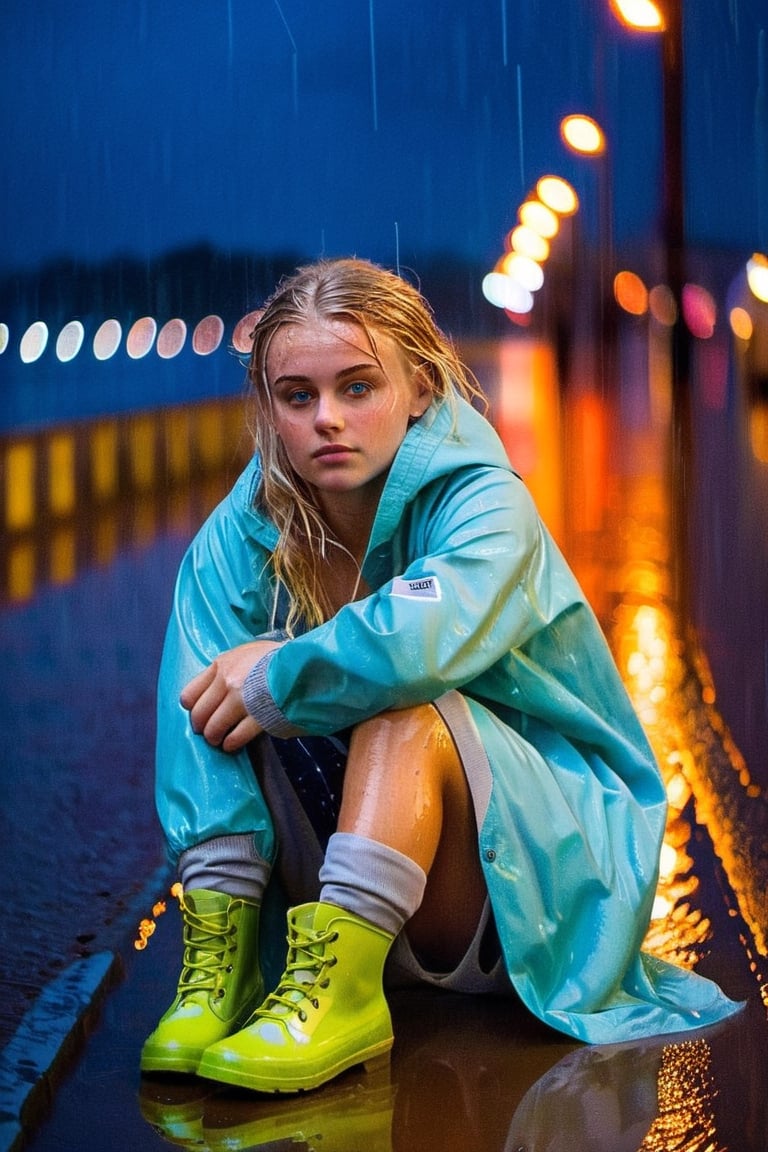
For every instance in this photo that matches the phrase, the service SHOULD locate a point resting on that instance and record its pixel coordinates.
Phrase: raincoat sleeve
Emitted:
(219, 598)
(200, 791)
(474, 583)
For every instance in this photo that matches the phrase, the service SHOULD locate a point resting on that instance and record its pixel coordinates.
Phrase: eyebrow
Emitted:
(353, 368)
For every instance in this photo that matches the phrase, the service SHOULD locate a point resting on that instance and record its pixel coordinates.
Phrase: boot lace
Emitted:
(208, 939)
(306, 971)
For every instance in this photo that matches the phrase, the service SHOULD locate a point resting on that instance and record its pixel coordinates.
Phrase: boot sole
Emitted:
(259, 1080)
(184, 1065)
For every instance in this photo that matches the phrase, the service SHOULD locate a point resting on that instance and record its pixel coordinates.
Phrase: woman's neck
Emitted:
(350, 516)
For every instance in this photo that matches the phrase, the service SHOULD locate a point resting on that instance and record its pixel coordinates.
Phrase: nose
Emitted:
(328, 414)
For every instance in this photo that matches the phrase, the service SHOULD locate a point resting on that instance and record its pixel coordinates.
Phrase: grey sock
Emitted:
(371, 880)
(228, 864)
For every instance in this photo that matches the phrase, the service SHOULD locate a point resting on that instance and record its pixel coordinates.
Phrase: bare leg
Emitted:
(405, 787)
(406, 812)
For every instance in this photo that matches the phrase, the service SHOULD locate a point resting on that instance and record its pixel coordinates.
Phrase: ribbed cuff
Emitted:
(258, 700)
(371, 880)
(230, 864)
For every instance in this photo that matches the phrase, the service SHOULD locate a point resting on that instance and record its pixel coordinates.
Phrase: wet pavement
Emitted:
(83, 612)
(465, 1074)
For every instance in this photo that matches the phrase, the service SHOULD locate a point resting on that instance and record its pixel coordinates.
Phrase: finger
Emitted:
(223, 719)
(207, 705)
(191, 692)
(241, 734)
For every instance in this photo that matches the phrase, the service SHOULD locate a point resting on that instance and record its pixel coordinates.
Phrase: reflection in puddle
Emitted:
(686, 1120)
(642, 1098)
(501, 1093)
(706, 778)
(71, 497)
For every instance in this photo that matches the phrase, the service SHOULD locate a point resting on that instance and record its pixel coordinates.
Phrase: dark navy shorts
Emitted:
(315, 766)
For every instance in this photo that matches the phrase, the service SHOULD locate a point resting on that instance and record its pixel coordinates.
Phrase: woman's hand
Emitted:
(214, 698)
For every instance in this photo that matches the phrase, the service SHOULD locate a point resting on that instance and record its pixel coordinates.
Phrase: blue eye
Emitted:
(300, 396)
(358, 388)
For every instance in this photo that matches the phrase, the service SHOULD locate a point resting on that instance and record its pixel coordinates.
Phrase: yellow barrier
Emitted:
(74, 494)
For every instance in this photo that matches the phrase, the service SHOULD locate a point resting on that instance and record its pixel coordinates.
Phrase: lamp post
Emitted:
(674, 184)
(674, 242)
(584, 136)
(666, 19)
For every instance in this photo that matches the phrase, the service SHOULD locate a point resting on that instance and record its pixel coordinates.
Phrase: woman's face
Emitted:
(340, 409)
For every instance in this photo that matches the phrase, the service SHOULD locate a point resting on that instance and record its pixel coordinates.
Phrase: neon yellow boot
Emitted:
(327, 1014)
(220, 983)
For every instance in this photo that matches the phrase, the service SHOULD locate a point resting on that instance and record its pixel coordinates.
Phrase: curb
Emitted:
(51, 1028)
(36, 1058)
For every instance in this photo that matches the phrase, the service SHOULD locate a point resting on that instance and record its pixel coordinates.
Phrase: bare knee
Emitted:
(405, 786)
(404, 738)
(395, 782)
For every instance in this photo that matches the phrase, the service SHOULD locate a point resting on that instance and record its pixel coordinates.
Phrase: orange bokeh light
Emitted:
(630, 293)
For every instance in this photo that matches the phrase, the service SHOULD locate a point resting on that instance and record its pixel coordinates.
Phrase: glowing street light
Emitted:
(523, 270)
(757, 276)
(529, 243)
(558, 195)
(643, 15)
(583, 135)
(504, 292)
(539, 218)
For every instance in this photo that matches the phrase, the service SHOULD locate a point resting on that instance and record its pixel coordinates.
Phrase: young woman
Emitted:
(384, 701)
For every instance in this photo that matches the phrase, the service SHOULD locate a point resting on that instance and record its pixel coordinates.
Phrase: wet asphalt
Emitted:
(87, 863)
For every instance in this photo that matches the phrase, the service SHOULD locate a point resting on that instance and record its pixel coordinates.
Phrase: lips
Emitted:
(332, 451)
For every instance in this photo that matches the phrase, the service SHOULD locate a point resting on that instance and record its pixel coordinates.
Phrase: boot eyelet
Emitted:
(315, 1003)
(302, 1016)
(230, 968)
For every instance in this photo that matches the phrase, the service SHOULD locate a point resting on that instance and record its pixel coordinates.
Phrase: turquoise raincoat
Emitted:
(470, 597)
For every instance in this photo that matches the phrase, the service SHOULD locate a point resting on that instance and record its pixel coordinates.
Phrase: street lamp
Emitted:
(667, 19)
(643, 15)
(584, 136)
(539, 218)
(558, 195)
(519, 273)
(757, 276)
(636, 14)
(528, 242)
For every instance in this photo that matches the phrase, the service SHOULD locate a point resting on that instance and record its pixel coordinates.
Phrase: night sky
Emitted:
(387, 128)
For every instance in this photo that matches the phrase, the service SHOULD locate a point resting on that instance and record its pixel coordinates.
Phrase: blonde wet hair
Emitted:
(362, 293)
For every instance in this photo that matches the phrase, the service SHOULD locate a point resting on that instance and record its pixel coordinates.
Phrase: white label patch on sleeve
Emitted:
(425, 588)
